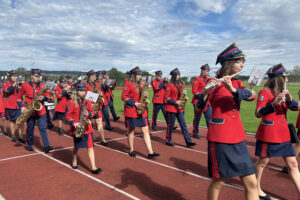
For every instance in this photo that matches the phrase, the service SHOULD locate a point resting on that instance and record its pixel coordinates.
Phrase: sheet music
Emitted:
(256, 77)
(91, 96)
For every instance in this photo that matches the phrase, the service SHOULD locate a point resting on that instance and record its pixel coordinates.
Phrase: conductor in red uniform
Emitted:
(228, 154)
(131, 94)
(273, 136)
(198, 85)
(30, 89)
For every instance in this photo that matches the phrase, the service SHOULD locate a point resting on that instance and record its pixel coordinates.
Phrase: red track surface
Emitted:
(180, 172)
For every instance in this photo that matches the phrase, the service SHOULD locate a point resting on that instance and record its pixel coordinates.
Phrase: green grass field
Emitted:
(249, 120)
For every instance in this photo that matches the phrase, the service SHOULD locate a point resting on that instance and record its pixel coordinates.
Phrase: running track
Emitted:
(180, 173)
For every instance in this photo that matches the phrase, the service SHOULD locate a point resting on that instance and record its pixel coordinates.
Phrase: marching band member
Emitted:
(110, 97)
(73, 116)
(69, 80)
(131, 95)
(62, 102)
(51, 100)
(105, 112)
(159, 101)
(94, 86)
(99, 116)
(173, 91)
(228, 154)
(198, 85)
(30, 89)
(12, 110)
(273, 136)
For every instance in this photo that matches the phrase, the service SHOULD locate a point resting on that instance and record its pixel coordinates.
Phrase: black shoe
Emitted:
(48, 148)
(190, 144)
(60, 132)
(97, 171)
(285, 170)
(108, 128)
(13, 139)
(104, 143)
(74, 166)
(153, 155)
(175, 127)
(21, 140)
(171, 144)
(50, 126)
(28, 148)
(154, 128)
(197, 136)
(5, 133)
(116, 119)
(132, 153)
(266, 197)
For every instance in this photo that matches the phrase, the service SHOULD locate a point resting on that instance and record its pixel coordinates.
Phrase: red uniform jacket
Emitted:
(131, 93)
(226, 125)
(108, 93)
(273, 127)
(198, 85)
(159, 91)
(2, 108)
(30, 91)
(94, 88)
(73, 115)
(10, 95)
(62, 99)
(172, 94)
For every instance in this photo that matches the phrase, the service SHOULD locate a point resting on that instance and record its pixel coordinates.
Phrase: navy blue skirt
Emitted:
(86, 141)
(264, 149)
(12, 114)
(136, 122)
(229, 160)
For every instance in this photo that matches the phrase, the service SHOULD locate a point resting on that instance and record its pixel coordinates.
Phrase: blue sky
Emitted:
(154, 34)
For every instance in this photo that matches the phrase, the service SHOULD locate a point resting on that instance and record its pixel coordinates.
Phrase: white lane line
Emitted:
(89, 176)
(1, 197)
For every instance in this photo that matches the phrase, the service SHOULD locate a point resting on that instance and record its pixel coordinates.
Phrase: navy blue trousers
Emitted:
(197, 117)
(112, 108)
(105, 115)
(180, 118)
(49, 122)
(42, 124)
(156, 108)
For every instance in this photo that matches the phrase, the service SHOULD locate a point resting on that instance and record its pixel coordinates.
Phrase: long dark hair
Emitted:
(276, 84)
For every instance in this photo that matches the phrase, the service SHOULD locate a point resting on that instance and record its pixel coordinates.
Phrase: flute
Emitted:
(284, 88)
(213, 84)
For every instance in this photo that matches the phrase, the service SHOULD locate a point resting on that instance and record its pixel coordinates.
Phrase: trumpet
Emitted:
(213, 84)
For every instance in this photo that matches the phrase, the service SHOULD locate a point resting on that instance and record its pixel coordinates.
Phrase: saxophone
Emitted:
(183, 99)
(143, 100)
(79, 131)
(35, 105)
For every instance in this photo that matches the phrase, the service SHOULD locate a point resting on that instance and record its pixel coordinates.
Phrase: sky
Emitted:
(78, 35)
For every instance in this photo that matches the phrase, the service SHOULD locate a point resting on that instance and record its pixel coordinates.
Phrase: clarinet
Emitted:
(213, 84)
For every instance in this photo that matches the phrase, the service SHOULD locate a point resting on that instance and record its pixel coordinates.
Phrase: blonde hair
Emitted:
(275, 84)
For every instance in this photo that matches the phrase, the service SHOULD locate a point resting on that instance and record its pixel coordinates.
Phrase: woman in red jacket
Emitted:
(228, 154)
(131, 95)
(73, 116)
(273, 137)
